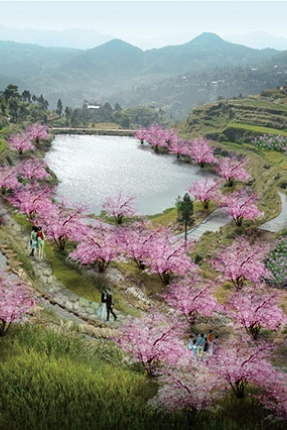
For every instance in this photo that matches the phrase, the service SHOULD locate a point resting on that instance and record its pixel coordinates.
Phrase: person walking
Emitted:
(110, 306)
(200, 342)
(210, 339)
(41, 242)
(102, 311)
(33, 241)
(192, 346)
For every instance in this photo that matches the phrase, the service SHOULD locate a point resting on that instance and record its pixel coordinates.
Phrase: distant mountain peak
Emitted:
(207, 38)
(118, 43)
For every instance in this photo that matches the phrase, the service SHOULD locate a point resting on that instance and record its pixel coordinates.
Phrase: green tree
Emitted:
(42, 103)
(117, 107)
(11, 91)
(184, 212)
(68, 113)
(59, 109)
(13, 110)
(26, 96)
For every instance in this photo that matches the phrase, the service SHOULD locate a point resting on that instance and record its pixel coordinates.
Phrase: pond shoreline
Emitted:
(93, 131)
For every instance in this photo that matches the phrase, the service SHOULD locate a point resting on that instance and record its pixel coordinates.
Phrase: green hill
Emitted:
(239, 120)
(173, 77)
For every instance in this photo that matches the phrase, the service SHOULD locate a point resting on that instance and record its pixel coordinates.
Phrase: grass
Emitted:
(104, 125)
(256, 128)
(71, 275)
(2, 145)
(53, 380)
(57, 380)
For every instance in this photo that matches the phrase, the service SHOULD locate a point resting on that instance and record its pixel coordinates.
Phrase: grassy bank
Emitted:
(56, 380)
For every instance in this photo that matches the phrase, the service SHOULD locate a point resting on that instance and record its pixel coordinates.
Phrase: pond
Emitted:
(92, 168)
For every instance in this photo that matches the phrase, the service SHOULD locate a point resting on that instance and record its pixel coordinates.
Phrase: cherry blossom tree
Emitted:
(201, 152)
(178, 147)
(257, 307)
(21, 142)
(240, 205)
(168, 257)
(62, 223)
(241, 261)
(239, 363)
(231, 169)
(191, 296)
(32, 199)
(192, 387)
(38, 131)
(156, 136)
(274, 396)
(16, 300)
(120, 206)
(153, 339)
(205, 190)
(8, 178)
(140, 134)
(171, 137)
(98, 246)
(32, 169)
(136, 239)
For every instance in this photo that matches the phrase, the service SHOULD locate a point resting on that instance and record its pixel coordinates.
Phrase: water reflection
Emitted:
(91, 168)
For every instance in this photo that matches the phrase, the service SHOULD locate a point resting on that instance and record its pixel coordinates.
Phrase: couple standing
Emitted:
(106, 307)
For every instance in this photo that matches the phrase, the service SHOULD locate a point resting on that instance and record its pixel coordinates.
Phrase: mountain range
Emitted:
(173, 77)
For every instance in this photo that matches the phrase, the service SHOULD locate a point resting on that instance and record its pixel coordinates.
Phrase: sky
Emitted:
(148, 24)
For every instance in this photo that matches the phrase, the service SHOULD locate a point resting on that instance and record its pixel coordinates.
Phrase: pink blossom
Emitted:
(156, 136)
(205, 190)
(256, 307)
(120, 206)
(194, 387)
(241, 261)
(33, 168)
(21, 142)
(240, 362)
(193, 295)
(98, 246)
(231, 169)
(153, 339)
(16, 300)
(32, 199)
(8, 178)
(201, 152)
(178, 147)
(168, 257)
(140, 134)
(61, 223)
(38, 131)
(240, 205)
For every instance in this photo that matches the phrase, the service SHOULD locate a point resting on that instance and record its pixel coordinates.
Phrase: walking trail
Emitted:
(71, 307)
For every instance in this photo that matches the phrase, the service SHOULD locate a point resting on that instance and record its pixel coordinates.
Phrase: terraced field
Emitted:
(240, 120)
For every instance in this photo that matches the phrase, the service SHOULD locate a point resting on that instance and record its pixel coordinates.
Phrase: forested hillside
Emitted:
(175, 78)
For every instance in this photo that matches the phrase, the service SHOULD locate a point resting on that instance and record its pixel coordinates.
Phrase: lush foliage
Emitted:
(241, 261)
(276, 263)
(271, 142)
(240, 205)
(120, 206)
(16, 300)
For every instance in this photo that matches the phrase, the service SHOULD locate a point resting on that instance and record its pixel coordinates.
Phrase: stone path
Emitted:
(66, 304)
(278, 223)
(72, 307)
(212, 222)
(219, 218)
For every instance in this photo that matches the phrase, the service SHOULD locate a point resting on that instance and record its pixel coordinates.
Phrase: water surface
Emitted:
(92, 168)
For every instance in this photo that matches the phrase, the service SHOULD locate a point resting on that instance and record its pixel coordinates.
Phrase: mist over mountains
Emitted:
(175, 78)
